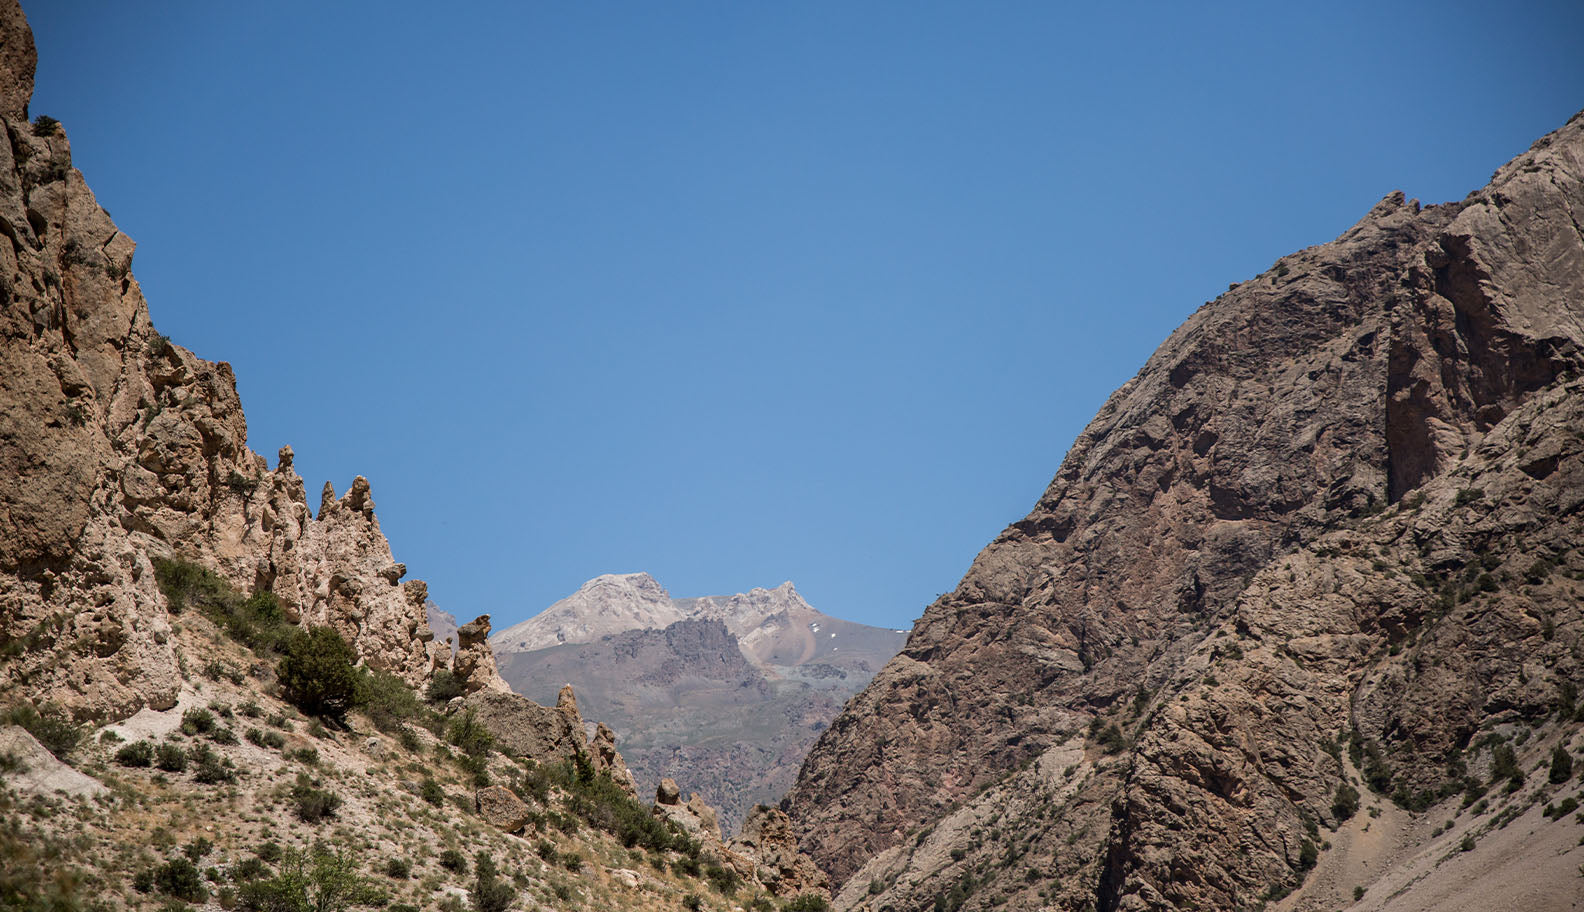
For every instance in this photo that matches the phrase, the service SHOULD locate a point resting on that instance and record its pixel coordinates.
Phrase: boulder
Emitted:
(501, 808)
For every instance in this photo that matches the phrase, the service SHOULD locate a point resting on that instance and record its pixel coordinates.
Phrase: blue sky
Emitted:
(742, 292)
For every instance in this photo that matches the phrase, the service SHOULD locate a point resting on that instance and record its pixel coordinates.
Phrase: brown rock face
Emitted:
(1258, 546)
(18, 60)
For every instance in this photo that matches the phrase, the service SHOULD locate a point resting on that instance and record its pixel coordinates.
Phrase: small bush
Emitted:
(198, 848)
(309, 756)
(722, 878)
(1561, 765)
(469, 734)
(490, 893)
(210, 768)
(313, 804)
(398, 868)
(138, 753)
(1346, 802)
(386, 699)
(444, 687)
(807, 902)
(431, 792)
(1467, 845)
(317, 674)
(44, 125)
(180, 878)
(453, 861)
(49, 728)
(170, 758)
(1308, 855)
(268, 852)
(270, 739)
(248, 869)
(197, 722)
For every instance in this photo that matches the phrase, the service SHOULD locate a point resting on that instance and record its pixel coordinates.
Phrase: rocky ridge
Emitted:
(1327, 538)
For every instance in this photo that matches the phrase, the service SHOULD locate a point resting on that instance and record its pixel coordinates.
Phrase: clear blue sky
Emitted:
(742, 292)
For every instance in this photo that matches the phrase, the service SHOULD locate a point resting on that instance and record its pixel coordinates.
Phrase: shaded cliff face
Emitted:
(1212, 573)
(117, 447)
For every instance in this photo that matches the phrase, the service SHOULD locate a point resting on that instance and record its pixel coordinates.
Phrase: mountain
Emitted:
(1321, 553)
(723, 694)
(211, 693)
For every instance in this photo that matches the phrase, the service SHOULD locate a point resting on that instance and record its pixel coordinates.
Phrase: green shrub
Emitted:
(317, 674)
(138, 753)
(317, 882)
(180, 878)
(490, 893)
(387, 699)
(198, 848)
(431, 792)
(1308, 855)
(1346, 802)
(170, 758)
(44, 125)
(807, 902)
(50, 728)
(255, 621)
(268, 852)
(197, 722)
(247, 869)
(210, 767)
(270, 739)
(306, 755)
(444, 687)
(311, 803)
(453, 861)
(398, 868)
(722, 878)
(1561, 765)
(469, 734)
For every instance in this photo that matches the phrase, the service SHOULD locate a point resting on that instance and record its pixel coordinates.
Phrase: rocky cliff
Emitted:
(1327, 538)
(118, 447)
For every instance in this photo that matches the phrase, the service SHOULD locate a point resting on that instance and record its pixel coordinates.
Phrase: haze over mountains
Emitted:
(724, 694)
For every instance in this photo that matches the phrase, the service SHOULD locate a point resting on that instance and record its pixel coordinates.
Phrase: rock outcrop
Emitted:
(118, 447)
(501, 808)
(523, 728)
(1339, 505)
(474, 664)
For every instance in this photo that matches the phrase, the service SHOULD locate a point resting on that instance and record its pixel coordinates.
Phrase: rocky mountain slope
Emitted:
(211, 693)
(725, 696)
(1327, 539)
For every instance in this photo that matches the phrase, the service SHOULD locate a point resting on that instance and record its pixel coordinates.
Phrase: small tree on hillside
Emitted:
(317, 674)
